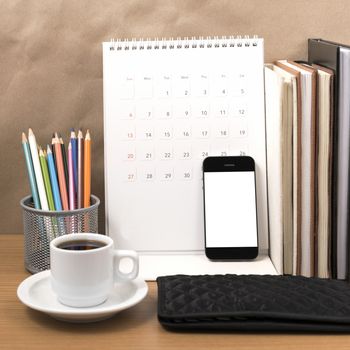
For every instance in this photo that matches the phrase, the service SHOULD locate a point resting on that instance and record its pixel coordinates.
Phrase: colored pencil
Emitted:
(37, 170)
(53, 178)
(46, 178)
(53, 149)
(80, 190)
(74, 141)
(71, 177)
(60, 173)
(30, 169)
(87, 169)
(59, 180)
(64, 158)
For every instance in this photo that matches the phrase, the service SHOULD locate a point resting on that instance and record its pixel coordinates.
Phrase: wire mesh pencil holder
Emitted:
(41, 227)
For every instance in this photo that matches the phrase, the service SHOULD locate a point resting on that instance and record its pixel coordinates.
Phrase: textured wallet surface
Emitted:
(253, 303)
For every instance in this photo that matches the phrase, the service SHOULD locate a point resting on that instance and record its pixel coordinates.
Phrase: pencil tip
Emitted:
(30, 131)
(24, 137)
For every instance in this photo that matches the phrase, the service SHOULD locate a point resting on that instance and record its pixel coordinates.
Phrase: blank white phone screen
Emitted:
(230, 209)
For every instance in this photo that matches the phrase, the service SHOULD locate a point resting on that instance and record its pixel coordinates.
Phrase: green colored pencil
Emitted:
(46, 177)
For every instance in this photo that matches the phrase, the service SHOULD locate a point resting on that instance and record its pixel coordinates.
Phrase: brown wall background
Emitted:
(51, 62)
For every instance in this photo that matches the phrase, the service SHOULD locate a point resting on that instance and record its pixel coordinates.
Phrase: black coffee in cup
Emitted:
(81, 245)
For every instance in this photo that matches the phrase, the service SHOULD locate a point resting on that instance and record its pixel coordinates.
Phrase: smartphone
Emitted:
(230, 208)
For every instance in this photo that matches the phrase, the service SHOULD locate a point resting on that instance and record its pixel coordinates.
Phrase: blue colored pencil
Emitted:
(74, 143)
(31, 173)
(53, 179)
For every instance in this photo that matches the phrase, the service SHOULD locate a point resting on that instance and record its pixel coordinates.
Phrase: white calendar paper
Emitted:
(167, 106)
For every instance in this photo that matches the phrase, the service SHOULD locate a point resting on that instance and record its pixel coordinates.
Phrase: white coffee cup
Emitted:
(84, 278)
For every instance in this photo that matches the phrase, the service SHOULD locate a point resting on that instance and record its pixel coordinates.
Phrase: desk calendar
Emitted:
(167, 105)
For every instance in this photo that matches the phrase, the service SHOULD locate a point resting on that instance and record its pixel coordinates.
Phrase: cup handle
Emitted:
(120, 254)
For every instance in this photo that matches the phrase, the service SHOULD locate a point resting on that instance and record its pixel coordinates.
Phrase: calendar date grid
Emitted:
(169, 123)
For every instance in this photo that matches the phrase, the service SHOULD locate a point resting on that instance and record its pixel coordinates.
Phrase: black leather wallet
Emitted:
(253, 303)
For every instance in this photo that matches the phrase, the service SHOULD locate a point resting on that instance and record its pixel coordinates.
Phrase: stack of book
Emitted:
(308, 151)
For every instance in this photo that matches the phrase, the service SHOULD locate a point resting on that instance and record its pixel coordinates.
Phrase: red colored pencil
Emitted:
(60, 173)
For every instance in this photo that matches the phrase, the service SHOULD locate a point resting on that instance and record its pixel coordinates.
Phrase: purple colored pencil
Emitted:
(71, 178)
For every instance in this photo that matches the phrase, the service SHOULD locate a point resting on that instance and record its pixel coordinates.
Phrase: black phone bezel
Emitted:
(229, 164)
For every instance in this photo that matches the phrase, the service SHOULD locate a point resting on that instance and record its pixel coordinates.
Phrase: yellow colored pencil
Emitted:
(46, 178)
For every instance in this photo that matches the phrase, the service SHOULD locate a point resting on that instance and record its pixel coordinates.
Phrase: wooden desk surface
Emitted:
(136, 328)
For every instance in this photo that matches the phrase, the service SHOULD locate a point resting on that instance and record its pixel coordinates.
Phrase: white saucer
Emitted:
(35, 292)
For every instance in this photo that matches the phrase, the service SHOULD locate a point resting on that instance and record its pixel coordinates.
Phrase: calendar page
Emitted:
(167, 106)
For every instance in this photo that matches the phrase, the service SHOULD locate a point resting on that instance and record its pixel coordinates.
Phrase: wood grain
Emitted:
(136, 328)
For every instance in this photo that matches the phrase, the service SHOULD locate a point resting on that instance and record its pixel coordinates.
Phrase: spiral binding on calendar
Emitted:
(183, 43)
